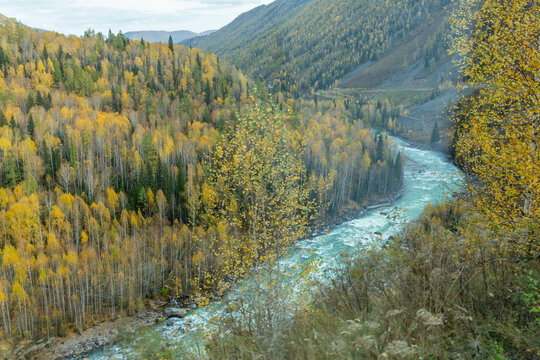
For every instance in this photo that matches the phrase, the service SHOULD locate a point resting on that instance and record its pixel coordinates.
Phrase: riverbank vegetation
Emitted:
(449, 287)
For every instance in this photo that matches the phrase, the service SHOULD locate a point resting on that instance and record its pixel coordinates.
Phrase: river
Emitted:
(428, 178)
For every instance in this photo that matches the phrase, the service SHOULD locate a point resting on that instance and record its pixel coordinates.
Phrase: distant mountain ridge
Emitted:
(155, 36)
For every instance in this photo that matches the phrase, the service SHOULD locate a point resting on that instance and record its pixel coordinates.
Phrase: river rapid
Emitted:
(429, 178)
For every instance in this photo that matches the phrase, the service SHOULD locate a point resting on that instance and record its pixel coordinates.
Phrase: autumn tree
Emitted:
(498, 125)
(260, 189)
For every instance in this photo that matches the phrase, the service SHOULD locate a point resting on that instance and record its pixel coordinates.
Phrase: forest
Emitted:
(130, 170)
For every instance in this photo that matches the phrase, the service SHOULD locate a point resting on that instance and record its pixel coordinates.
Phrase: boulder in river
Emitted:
(175, 312)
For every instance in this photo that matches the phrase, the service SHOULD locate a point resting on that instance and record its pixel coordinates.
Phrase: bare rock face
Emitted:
(175, 312)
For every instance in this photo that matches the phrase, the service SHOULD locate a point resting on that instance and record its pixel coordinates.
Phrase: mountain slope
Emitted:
(304, 45)
(426, 46)
(250, 26)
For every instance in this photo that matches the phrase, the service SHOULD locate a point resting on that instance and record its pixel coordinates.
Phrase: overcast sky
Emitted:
(75, 16)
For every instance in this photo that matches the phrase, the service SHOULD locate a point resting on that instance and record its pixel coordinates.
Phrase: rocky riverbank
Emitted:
(108, 332)
(91, 339)
(98, 336)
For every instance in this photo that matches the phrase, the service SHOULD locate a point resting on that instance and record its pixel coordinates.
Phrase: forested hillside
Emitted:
(305, 45)
(109, 152)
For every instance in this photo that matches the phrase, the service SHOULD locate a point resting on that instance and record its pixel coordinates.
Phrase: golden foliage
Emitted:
(498, 125)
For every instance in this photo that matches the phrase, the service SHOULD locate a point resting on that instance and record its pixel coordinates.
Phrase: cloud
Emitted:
(75, 16)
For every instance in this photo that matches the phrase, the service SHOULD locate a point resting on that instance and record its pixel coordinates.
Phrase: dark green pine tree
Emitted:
(148, 149)
(208, 93)
(3, 120)
(12, 173)
(397, 172)
(198, 61)
(43, 100)
(435, 136)
(116, 101)
(379, 156)
(12, 123)
(3, 58)
(150, 176)
(30, 102)
(58, 76)
(60, 53)
(159, 71)
(141, 198)
(47, 102)
(39, 99)
(180, 178)
(56, 161)
(180, 185)
(171, 44)
(206, 118)
(45, 53)
(30, 127)
(47, 159)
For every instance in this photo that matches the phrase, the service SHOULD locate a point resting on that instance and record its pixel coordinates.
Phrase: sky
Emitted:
(76, 16)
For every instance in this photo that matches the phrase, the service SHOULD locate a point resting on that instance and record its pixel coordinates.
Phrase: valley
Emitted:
(317, 179)
(428, 178)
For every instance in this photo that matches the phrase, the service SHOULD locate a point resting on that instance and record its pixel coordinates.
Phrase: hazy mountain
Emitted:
(207, 32)
(163, 36)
